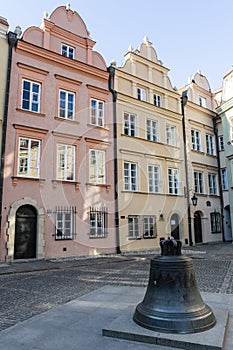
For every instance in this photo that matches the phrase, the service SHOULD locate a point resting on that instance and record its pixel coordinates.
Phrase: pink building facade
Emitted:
(58, 196)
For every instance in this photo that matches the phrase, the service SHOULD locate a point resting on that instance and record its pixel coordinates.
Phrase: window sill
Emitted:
(97, 237)
(15, 179)
(59, 119)
(66, 182)
(90, 184)
(198, 152)
(26, 111)
(95, 126)
(134, 238)
(149, 237)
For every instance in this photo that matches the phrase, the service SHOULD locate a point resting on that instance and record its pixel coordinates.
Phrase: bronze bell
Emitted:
(172, 302)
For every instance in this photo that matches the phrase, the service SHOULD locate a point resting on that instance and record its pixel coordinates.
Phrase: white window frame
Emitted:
(65, 162)
(33, 98)
(173, 181)
(26, 158)
(221, 143)
(97, 166)
(157, 100)
(224, 179)
(153, 179)
(215, 222)
(64, 105)
(152, 130)
(212, 184)
(171, 138)
(130, 177)
(133, 227)
(210, 145)
(198, 182)
(97, 112)
(141, 94)
(129, 124)
(202, 101)
(149, 226)
(196, 140)
(69, 52)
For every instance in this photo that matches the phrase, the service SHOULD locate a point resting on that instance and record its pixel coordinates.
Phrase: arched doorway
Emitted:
(25, 233)
(197, 227)
(175, 226)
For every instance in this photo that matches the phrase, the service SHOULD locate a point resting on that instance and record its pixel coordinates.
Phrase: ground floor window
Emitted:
(98, 223)
(65, 223)
(141, 226)
(149, 227)
(215, 219)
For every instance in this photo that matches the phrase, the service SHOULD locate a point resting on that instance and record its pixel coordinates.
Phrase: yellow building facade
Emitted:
(150, 153)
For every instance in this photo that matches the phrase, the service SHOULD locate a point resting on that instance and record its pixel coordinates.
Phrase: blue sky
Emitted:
(187, 35)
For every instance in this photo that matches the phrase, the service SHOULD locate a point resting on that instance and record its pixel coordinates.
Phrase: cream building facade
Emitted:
(225, 112)
(150, 158)
(202, 160)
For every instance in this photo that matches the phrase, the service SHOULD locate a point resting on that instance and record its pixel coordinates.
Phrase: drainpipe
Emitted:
(219, 176)
(111, 71)
(184, 100)
(12, 40)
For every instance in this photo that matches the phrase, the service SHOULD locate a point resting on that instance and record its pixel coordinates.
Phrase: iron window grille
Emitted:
(65, 223)
(98, 222)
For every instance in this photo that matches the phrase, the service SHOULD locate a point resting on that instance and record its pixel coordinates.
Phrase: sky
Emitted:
(187, 35)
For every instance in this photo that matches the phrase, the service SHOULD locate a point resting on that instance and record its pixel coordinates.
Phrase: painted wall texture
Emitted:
(150, 152)
(59, 150)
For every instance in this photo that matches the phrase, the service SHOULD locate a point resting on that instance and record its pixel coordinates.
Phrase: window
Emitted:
(141, 94)
(65, 162)
(67, 51)
(224, 179)
(212, 181)
(31, 96)
(202, 102)
(152, 130)
(149, 227)
(29, 157)
(157, 100)
(66, 105)
(65, 222)
(98, 223)
(210, 147)
(215, 219)
(171, 135)
(130, 177)
(196, 140)
(154, 178)
(221, 143)
(97, 112)
(129, 124)
(97, 166)
(173, 181)
(198, 182)
(133, 227)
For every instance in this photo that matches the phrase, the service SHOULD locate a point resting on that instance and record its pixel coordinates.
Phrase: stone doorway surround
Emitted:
(11, 228)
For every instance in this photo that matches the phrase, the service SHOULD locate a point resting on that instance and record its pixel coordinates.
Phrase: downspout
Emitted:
(12, 40)
(219, 176)
(111, 71)
(184, 99)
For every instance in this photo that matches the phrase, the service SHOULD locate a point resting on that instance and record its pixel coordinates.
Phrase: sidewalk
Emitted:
(213, 250)
(78, 324)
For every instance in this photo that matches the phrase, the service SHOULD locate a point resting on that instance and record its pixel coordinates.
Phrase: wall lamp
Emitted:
(194, 200)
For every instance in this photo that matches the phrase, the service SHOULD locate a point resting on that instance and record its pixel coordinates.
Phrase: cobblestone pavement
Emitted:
(39, 288)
